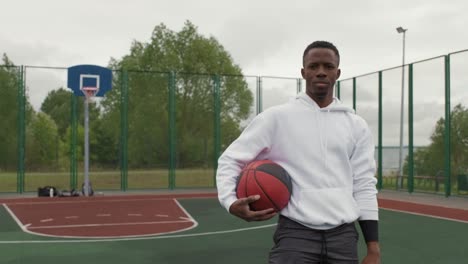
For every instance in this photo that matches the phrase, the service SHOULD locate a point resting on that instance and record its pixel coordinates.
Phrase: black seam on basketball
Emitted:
(246, 183)
(287, 182)
(266, 194)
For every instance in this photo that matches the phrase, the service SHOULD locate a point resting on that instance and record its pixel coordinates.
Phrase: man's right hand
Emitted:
(241, 209)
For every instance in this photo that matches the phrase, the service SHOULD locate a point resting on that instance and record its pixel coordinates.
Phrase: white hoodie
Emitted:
(329, 153)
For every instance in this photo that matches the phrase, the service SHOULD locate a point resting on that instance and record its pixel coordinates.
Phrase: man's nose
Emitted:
(321, 72)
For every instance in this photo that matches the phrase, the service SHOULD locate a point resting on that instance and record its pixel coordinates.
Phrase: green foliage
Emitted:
(10, 119)
(57, 105)
(9, 81)
(459, 139)
(194, 59)
(42, 150)
(79, 142)
(430, 161)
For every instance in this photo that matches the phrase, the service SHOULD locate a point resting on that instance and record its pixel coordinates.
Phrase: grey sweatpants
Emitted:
(297, 244)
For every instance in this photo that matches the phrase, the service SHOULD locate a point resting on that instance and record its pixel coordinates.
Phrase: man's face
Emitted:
(320, 72)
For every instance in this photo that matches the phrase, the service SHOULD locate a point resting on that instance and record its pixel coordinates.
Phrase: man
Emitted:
(329, 153)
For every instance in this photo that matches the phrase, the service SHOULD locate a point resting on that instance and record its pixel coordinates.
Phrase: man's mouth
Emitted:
(321, 84)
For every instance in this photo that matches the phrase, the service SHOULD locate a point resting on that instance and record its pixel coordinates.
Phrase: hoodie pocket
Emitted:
(327, 206)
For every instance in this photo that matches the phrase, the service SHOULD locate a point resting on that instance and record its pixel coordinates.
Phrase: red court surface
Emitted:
(424, 209)
(100, 217)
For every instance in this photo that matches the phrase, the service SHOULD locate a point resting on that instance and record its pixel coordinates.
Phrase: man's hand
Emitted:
(373, 253)
(241, 209)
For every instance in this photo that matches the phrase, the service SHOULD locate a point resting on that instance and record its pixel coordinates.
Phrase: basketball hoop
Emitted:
(89, 92)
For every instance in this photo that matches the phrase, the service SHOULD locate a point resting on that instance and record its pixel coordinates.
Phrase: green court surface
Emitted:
(222, 238)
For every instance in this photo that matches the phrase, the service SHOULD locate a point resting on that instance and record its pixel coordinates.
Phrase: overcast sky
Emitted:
(265, 38)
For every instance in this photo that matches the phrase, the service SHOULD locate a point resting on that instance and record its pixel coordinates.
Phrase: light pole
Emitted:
(402, 108)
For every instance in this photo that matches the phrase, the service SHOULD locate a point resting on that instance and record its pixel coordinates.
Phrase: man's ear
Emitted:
(338, 74)
(302, 73)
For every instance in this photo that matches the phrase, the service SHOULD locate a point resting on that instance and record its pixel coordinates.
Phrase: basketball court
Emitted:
(194, 228)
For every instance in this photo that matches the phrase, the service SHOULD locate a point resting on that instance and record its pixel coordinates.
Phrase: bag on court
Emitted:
(47, 191)
(90, 189)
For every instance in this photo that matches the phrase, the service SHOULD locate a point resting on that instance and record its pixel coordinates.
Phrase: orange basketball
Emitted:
(267, 179)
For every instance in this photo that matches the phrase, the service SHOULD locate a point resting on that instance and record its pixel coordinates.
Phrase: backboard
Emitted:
(86, 75)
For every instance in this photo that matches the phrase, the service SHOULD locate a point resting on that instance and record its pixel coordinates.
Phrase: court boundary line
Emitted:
(425, 215)
(137, 238)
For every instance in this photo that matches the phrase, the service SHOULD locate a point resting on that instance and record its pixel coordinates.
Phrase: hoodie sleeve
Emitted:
(255, 139)
(364, 168)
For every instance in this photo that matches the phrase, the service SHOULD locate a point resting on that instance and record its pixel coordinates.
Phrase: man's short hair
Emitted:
(321, 44)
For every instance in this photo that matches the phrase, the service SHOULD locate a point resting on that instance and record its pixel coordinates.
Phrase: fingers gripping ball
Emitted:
(267, 179)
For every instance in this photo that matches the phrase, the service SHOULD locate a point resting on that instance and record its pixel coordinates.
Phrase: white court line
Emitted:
(160, 215)
(105, 201)
(134, 214)
(20, 224)
(110, 224)
(151, 237)
(47, 220)
(426, 215)
(195, 223)
(189, 219)
(71, 217)
(103, 215)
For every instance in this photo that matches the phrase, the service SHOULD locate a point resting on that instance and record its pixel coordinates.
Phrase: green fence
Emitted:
(165, 130)
(433, 153)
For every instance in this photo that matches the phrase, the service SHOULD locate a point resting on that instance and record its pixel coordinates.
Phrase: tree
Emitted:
(8, 114)
(10, 81)
(57, 105)
(42, 150)
(430, 160)
(194, 59)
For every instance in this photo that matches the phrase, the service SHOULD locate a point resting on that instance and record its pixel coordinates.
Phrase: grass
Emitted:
(421, 184)
(111, 180)
(159, 179)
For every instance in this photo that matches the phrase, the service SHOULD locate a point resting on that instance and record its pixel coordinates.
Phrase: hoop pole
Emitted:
(86, 146)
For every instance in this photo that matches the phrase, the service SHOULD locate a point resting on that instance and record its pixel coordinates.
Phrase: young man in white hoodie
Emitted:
(329, 152)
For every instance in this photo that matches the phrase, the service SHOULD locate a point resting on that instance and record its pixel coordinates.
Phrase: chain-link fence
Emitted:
(159, 130)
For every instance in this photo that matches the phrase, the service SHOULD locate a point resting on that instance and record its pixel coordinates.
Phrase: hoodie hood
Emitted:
(335, 106)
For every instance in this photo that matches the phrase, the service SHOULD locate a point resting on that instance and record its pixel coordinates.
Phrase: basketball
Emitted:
(267, 179)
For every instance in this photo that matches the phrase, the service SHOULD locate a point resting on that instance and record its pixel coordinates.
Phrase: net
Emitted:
(89, 92)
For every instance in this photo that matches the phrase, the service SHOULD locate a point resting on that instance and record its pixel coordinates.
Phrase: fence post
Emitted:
(354, 94)
(123, 130)
(73, 138)
(172, 129)
(338, 90)
(379, 150)
(447, 148)
(299, 85)
(21, 99)
(217, 122)
(410, 131)
(259, 95)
